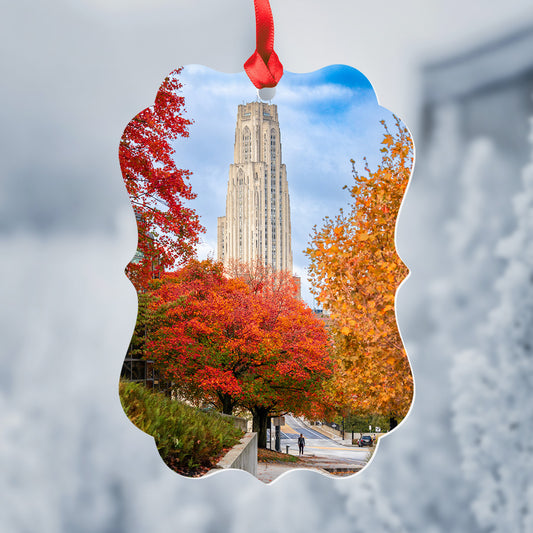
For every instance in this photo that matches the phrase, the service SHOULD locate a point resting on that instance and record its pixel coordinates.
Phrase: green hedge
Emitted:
(187, 438)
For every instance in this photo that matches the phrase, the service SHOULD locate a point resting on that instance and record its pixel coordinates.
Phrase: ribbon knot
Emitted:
(264, 67)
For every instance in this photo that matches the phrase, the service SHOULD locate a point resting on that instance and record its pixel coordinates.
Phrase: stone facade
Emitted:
(257, 225)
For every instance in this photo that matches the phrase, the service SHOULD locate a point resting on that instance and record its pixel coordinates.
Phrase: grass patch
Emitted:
(270, 456)
(190, 441)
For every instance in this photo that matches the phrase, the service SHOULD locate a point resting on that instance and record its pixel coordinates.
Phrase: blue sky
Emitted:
(327, 117)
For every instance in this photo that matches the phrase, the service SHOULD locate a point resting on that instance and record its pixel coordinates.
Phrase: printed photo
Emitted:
(266, 272)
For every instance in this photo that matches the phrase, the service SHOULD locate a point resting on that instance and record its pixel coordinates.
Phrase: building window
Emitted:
(247, 144)
(273, 145)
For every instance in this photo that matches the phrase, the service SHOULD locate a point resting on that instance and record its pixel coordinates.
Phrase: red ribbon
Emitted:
(264, 67)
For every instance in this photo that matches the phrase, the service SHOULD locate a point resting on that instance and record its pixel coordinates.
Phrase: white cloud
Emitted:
(319, 93)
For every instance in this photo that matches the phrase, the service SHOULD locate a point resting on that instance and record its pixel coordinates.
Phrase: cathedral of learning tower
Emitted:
(257, 225)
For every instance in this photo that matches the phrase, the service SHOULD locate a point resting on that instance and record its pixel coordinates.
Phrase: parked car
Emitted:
(365, 440)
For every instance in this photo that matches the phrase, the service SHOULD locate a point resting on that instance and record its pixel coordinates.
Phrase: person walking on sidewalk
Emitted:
(301, 444)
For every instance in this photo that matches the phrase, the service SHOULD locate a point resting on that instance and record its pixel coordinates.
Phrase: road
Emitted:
(318, 444)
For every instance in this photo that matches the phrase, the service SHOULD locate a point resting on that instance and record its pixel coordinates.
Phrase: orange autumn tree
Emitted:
(355, 272)
(168, 228)
(220, 340)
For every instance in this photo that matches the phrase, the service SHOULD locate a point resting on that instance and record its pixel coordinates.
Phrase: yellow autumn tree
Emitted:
(355, 272)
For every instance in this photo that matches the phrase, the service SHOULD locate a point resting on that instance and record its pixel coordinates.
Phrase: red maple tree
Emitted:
(229, 342)
(158, 189)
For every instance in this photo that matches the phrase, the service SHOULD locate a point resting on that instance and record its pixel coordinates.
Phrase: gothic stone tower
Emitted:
(257, 225)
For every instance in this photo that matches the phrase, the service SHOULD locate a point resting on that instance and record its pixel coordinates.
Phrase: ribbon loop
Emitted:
(264, 67)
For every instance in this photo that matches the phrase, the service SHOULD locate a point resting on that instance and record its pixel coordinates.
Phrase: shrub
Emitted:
(188, 439)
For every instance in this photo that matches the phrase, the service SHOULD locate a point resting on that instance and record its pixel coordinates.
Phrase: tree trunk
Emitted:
(259, 425)
(392, 423)
(227, 403)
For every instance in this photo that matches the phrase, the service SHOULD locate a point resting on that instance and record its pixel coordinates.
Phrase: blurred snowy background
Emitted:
(459, 74)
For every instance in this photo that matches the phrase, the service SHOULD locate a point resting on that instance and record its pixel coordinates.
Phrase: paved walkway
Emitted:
(268, 472)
